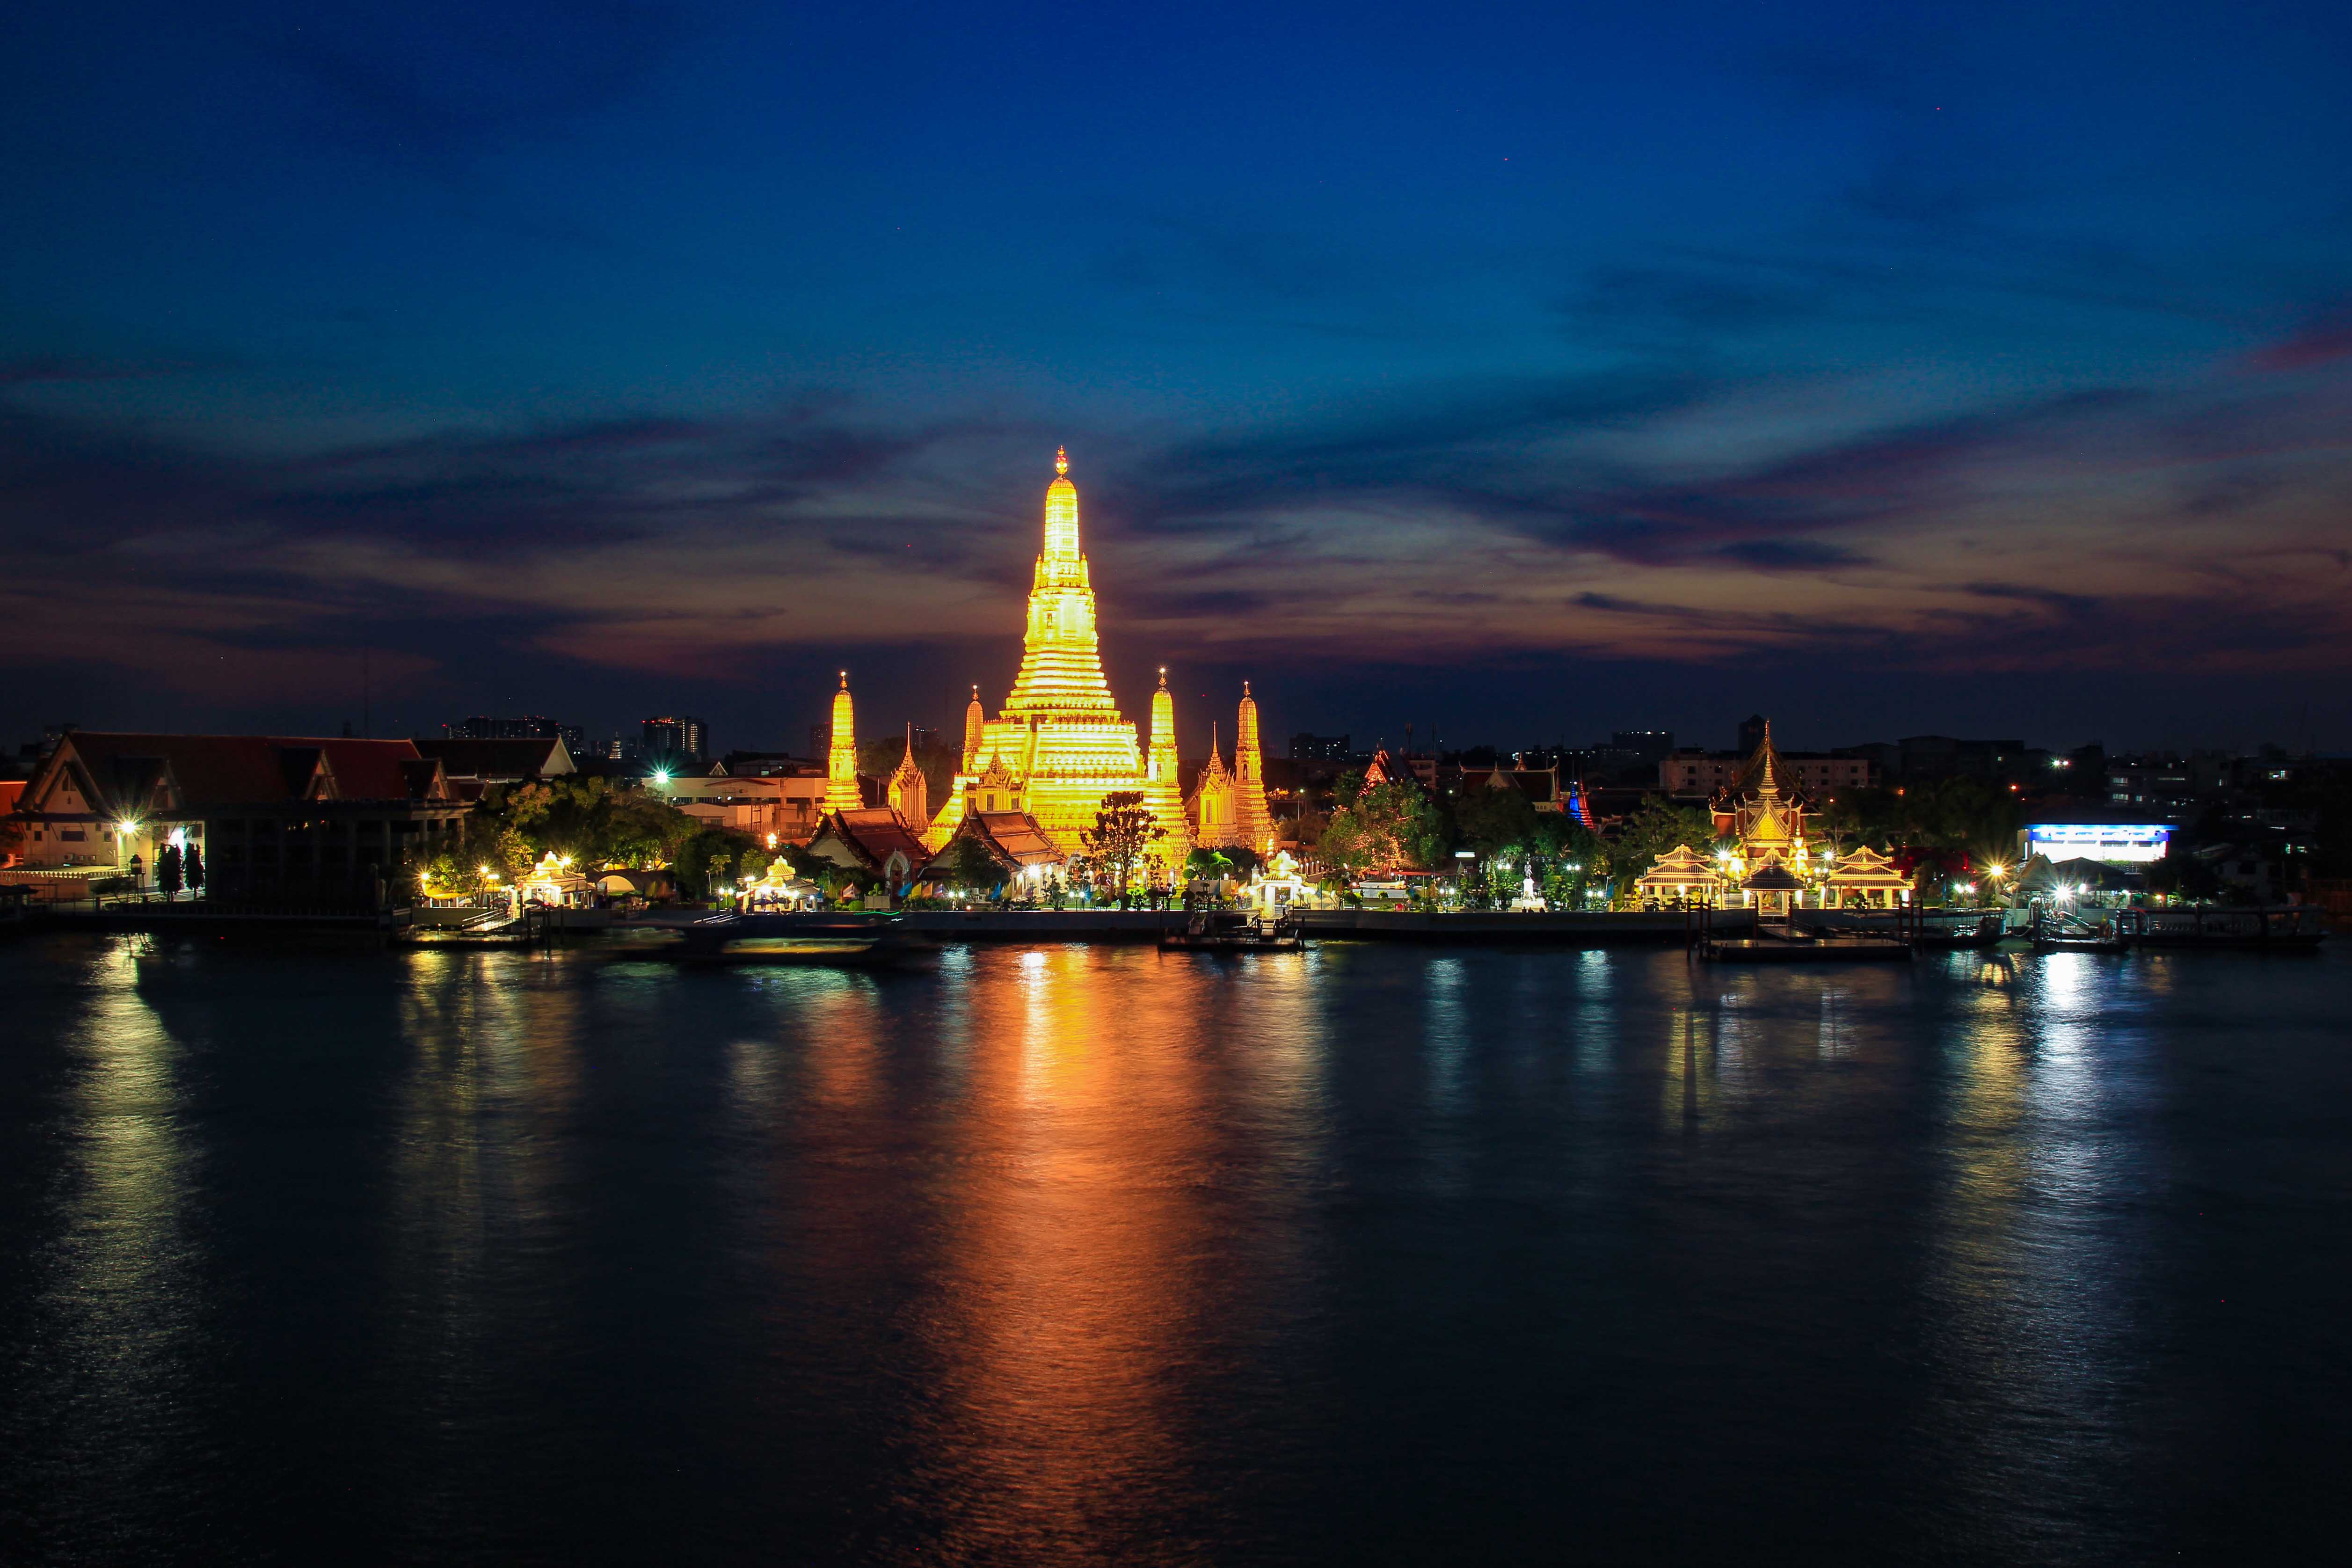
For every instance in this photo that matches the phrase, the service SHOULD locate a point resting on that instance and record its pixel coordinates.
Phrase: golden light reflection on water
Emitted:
(2025, 1284)
(1076, 1265)
(480, 1179)
(122, 1293)
(1116, 1117)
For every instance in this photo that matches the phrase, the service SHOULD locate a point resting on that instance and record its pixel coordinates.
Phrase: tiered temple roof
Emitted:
(1678, 871)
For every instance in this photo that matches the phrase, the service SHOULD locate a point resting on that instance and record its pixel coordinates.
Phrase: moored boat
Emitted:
(1226, 931)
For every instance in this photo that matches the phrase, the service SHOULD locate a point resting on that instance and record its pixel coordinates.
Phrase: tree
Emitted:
(705, 857)
(593, 822)
(1490, 820)
(1390, 827)
(192, 868)
(1123, 833)
(1207, 865)
(1651, 832)
(167, 871)
(969, 865)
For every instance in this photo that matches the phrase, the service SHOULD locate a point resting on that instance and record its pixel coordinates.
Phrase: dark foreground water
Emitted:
(1369, 1254)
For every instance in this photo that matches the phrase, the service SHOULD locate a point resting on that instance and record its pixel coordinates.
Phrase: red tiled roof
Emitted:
(1015, 835)
(211, 770)
(872, 832)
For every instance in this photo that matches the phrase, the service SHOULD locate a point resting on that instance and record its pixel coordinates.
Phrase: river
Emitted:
(1091, 1254)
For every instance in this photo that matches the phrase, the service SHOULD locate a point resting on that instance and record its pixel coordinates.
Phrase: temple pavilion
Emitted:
(1764, 824)
(1864, 879)
(1768, 861)
(1682, 875)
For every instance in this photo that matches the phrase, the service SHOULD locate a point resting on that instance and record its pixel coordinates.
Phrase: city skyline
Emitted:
(1533, 376)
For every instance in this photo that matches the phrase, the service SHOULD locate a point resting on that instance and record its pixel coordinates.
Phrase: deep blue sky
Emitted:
(1533, 371)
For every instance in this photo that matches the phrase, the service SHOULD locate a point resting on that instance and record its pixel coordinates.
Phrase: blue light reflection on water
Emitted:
(1071, 1254)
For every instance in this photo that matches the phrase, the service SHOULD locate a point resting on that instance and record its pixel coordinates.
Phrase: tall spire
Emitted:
(1061, 664)
(1164, 790)
(841, 791)
(1162, 757)
(1251, 820)
(976, 727)
(1061, 513)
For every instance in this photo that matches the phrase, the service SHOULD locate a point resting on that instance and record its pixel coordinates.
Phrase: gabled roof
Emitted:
(1867, 867)
(1017, 835)
(1680, 867)
(534, 756)
(1011, 838)
(1537, 785)
(133, 774)
(1773, 877)
(870, 835)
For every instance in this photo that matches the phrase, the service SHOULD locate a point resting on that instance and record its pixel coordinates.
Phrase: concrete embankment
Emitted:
(1564, 930)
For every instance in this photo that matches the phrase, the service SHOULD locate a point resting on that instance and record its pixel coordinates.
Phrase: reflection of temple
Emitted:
(1060, 744)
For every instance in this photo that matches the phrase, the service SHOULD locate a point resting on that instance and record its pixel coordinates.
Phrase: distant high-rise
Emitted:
(1305, 748)
(1650, 746)
(1752, 733)
(681, 740)
(529, 727)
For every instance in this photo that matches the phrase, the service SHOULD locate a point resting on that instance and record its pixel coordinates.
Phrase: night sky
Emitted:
(1530, 373)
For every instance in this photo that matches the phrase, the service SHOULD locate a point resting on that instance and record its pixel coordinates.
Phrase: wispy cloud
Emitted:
(1469, 521)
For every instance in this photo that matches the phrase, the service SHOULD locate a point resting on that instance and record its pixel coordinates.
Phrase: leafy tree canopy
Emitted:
(1652, 831)
(1123, 833)
(1390, 827)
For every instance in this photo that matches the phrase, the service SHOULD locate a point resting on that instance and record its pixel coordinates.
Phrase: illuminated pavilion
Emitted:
(1769, 862)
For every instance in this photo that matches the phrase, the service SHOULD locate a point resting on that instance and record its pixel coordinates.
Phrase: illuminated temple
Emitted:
(1060, 744)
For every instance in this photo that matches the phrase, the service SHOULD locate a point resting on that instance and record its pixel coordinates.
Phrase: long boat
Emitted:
(2293, 928)
(739, 940)
(1792, 944)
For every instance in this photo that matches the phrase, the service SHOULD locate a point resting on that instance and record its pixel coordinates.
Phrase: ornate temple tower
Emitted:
(841, 791)
(1252, 821)
(1162, 786)
(975, 721)
(1060, 731)
(909, 792)
(1213, 802)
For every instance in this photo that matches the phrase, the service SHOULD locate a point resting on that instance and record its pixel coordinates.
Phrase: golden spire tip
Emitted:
(1061, 459)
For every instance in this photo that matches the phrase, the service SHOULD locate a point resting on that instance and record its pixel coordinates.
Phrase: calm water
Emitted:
(1082, 1254)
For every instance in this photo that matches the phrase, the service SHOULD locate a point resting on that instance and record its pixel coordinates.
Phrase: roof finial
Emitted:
(1163, 677)
(1244, 689)
(845, 680)
(1061, 459)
